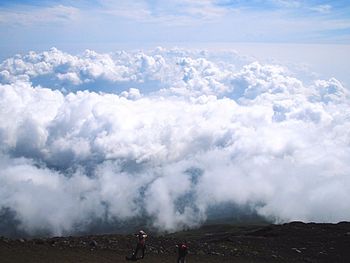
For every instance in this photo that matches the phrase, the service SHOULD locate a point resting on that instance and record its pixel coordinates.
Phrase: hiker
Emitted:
(141, 240)
(182, 252)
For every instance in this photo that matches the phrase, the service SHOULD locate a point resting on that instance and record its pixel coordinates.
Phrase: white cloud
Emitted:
(42, 16)
(174, 12)
(138, 10)
(324, 9)
(177, 133)
(288, 4)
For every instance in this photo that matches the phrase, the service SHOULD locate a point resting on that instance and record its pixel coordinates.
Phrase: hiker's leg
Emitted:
(136, 250)
(143, 251)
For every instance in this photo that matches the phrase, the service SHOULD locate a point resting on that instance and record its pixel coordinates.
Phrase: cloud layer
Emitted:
(167, 134)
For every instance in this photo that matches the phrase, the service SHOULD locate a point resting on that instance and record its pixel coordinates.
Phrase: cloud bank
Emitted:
(168, 135)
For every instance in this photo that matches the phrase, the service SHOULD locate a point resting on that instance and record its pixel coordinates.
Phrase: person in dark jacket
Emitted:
(141, 244)
(182, 252)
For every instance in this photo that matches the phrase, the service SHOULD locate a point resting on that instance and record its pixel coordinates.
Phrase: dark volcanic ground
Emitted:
(293, 242)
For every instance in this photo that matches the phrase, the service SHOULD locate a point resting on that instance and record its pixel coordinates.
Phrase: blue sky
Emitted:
(153, 21)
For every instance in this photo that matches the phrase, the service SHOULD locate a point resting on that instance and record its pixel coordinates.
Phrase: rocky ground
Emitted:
(293, 242)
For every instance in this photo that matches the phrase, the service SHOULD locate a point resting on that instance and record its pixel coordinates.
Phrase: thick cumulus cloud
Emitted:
(167, 135)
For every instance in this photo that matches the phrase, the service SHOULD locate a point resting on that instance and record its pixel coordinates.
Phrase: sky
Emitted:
(46, 23)
(112, 111)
